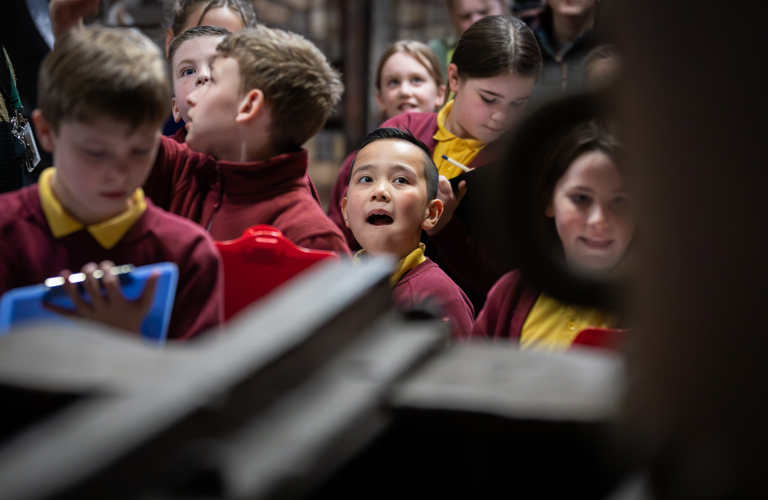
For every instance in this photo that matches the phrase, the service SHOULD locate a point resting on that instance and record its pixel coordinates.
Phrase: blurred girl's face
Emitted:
(221, 17)
(592, 211)
(407, 87)
(485, 108)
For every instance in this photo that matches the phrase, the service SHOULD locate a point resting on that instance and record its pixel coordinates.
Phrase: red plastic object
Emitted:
(605, 338)
(258, 262)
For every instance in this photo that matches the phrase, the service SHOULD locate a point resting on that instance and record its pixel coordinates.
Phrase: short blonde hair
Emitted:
(300, 87)
(104, 72)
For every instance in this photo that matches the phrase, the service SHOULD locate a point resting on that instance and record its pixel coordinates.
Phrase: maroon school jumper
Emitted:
(509, 303)
(30, 254)
(229, 197)
(427, 281)
(453, 249)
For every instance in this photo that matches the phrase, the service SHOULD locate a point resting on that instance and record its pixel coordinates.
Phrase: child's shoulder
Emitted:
(416, 123)
(427, 277)
(20, 205)
(174, 230)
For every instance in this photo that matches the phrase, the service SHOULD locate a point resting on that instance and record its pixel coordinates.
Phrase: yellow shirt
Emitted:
(553, 325)
(404, 265)
(107, 232)
(455, 148)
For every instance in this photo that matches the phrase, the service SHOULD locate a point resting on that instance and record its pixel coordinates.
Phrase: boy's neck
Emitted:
(248, 151)
(568, 29)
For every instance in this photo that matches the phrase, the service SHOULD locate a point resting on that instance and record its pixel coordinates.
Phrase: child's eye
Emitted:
(365, 178)
(187, 72)
(486, 100)
(400, 180)
(620, 203)
(579, 199)
(96, 154)
(393, 83)
(417, 80)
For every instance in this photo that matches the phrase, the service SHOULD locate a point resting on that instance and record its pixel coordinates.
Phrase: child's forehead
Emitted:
(201, 48)
(388, 153)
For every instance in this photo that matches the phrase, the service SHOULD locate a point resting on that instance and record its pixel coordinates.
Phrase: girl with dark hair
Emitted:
(587, 218)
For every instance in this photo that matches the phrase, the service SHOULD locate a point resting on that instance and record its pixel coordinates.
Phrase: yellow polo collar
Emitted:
(107, 232)
(404, 265)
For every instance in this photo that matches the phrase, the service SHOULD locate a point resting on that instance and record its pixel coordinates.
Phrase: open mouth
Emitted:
(379, 219)
(406, 106)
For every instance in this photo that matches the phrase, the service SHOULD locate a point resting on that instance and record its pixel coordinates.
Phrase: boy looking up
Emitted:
(103, 99)
(269, 92)
(190, 56)
(390, 200)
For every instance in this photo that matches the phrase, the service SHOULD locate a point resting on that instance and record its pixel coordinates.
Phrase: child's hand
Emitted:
(450, 201)
(110, 308)
(66, 14)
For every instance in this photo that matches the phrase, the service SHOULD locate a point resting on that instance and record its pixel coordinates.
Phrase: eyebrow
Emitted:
(499, 95)
(188, 61)
(395, 167)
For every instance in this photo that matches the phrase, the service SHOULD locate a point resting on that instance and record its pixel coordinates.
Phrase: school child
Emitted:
(242, 163)
(492, 74)
(464, 13)
(408, 80)
(190, 56)
(390, 201)
(586, 209)
(103, 97)
(232, 15)
(181, 15)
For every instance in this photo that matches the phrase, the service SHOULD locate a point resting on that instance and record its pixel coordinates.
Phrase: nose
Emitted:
(192, 97)
(380, 192)
(598, 218)
(499, 116)
(202, 77)
(406, 89)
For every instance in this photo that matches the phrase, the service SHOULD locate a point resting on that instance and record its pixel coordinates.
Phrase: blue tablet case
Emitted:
(24, 305)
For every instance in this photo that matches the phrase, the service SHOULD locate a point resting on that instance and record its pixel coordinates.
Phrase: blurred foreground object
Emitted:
(695, 140)
(322, 390)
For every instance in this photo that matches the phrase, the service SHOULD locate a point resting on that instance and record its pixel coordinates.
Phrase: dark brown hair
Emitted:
(419, 51)
(497, 45)
(178, 12)
(299, 85)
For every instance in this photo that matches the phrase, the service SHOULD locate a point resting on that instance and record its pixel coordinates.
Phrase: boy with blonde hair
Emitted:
(103, 98)
(269, 92)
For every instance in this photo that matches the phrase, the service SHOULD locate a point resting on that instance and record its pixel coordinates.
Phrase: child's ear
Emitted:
(344, 210)
(44, 131)
(440, 96)
(175, 110)
(168, 40)
(250, 106)
(432, 214)
(453, 78)
(550, 210)
(380, 100)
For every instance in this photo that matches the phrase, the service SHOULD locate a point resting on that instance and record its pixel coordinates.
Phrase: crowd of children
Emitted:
(248, 97)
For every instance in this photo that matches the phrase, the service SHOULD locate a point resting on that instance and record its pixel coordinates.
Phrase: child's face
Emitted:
(592, 212)
(191, 69)
(386, 205)
(468, 12)
(407, 87)
(99, 165)
(485, 108)
(213, 109)
(571, 7)
(221, 17)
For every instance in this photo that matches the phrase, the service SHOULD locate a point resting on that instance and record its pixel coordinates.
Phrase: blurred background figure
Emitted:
(601, 67)
(465, 13)
(563, 29)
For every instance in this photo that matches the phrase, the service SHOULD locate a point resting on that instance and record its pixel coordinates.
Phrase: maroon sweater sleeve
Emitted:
(506, 309)
(199, 303)
(172, 172)
(338, 192)
(427, 282)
